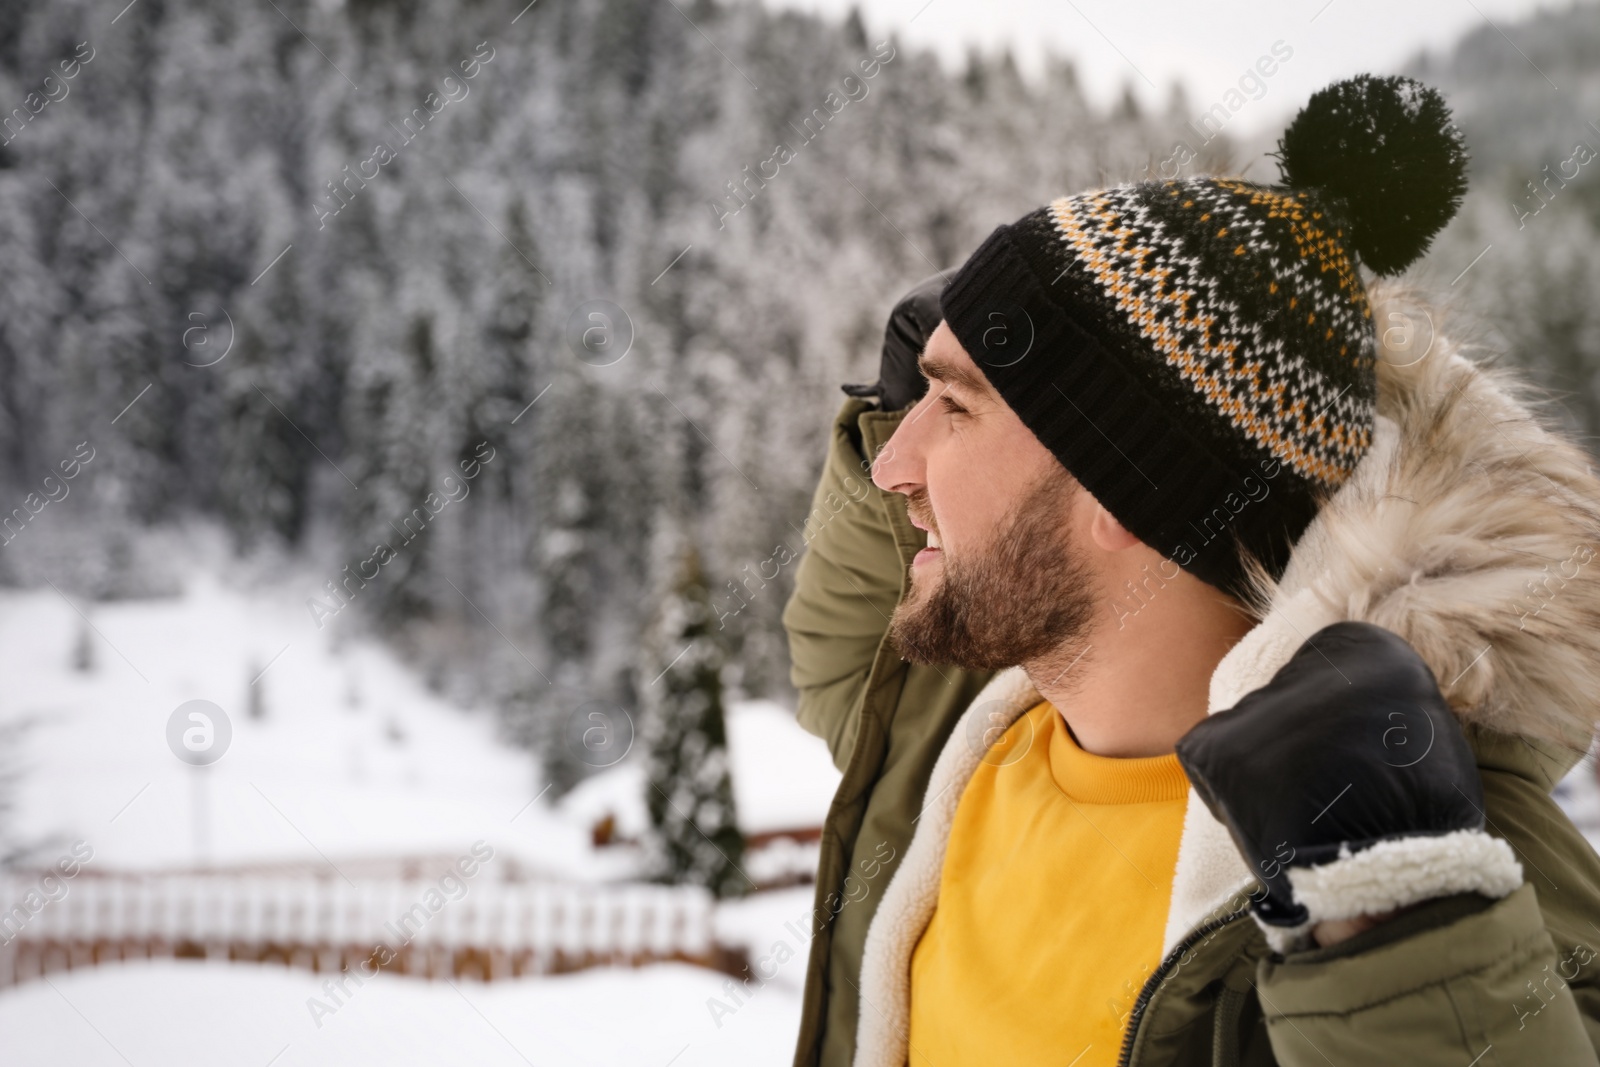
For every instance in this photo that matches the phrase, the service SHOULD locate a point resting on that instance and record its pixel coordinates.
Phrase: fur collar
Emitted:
(1470, 529)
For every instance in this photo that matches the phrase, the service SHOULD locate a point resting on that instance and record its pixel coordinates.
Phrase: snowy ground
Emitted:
(353, 759)
(352, 763)
(783, 778)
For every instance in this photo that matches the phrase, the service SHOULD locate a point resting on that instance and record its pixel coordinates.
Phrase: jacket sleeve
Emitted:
(1460, 980)
(846, 587)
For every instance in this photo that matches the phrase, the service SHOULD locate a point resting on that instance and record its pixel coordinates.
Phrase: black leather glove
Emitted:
(916, 316)
(1347, 784)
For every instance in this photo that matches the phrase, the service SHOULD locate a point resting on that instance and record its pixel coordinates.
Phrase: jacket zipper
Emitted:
(1136, 1015)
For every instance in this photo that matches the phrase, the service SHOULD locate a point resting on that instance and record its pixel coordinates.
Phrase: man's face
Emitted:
(1001, 582)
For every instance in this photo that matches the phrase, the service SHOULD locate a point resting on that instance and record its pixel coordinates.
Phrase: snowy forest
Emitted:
(1531, 116)
(496, 313)
(335, 259)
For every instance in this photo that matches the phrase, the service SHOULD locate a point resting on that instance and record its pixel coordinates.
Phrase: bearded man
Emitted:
(1200, 665)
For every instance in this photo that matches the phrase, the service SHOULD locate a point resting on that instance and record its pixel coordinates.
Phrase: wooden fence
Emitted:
(483, 929)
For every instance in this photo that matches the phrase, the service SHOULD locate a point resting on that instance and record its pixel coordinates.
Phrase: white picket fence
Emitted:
(488, 930)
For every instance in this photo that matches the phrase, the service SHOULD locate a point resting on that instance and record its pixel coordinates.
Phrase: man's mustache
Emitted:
(920, 510)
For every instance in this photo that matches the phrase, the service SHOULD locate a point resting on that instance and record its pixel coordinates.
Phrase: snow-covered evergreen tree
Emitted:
(695, 835)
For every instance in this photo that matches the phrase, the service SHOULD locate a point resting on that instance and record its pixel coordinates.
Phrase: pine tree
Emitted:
(695, 835)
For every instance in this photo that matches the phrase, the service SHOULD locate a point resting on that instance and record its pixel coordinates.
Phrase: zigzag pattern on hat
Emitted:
(1152, 253)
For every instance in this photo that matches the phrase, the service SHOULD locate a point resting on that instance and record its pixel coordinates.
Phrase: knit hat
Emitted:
(1199, 353)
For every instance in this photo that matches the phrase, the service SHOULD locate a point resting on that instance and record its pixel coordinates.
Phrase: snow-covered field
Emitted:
(351, 763)
(783, 777)
(352, 760)
(172, 1013)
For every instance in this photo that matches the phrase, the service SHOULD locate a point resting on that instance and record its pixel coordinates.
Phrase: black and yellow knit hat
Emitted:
(1199, 353)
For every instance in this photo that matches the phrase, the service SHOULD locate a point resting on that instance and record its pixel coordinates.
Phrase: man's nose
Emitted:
(898, 466)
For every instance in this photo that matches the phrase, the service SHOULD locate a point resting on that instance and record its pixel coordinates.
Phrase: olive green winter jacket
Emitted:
(1463, 516)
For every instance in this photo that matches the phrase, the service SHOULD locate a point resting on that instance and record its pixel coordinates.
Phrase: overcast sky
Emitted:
(1206, 46)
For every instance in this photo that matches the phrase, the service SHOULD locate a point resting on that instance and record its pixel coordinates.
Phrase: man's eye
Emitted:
(949, 404)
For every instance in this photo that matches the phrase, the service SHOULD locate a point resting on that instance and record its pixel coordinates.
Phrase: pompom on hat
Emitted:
(1199, 353)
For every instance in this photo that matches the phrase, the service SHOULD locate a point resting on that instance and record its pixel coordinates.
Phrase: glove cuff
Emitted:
(1396, 874)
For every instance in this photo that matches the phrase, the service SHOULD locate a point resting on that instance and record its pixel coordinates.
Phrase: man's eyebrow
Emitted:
(942, 370)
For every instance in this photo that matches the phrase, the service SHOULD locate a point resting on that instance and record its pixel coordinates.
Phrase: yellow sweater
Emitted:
(1052, 903)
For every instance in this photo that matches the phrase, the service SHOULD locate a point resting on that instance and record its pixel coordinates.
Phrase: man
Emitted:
(1201, 667)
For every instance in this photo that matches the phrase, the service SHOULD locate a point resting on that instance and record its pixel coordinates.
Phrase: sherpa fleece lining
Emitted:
(1396, 874)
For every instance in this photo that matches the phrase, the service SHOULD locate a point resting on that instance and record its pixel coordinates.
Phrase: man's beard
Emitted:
(1027, 595)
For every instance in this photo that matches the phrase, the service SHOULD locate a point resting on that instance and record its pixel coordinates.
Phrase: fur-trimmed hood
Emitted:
(1471, 529)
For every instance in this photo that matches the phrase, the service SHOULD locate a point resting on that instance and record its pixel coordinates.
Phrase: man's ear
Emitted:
(1109, 534)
